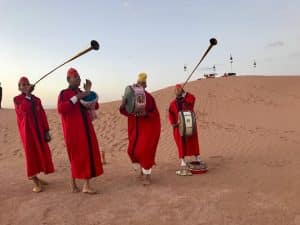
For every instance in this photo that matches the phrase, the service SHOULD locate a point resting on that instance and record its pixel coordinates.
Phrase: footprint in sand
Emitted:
(228, 128)
(5, 136)
(251, 131)
(284, 138)
(114, 144)
(16, 152)
(290, 131)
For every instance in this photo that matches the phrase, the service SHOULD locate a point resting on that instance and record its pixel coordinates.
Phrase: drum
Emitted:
(197, 167)
(135, 99)
(186, 120)
(89, 100)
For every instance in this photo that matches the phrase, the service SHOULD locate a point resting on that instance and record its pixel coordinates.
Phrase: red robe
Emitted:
(33, 124)
(187, 146)
(80, 138)
(143, 134)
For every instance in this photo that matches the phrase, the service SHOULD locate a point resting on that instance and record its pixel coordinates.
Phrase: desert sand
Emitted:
(249, 133)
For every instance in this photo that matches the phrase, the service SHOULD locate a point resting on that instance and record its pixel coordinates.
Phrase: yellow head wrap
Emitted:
(142, 77)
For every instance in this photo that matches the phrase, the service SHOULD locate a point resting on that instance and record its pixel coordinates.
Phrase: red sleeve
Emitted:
(151, 108)
(172, 117)
(22, 105)
(64, 104)
(97, 106)
(44, 120)
(153, 111)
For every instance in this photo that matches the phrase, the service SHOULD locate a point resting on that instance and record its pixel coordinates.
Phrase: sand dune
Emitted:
(249, 129)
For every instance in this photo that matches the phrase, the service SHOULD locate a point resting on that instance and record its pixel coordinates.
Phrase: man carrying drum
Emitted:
(143, 127)
(182, 119)
(81, 141)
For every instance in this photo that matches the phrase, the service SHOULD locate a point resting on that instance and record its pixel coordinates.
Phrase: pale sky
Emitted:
(156, 37)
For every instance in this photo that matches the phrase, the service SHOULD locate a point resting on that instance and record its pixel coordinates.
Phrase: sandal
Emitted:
(197, 165)
(184, 172)
(89, 191)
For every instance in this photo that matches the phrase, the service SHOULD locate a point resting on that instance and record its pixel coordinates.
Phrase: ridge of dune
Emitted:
(248, 131)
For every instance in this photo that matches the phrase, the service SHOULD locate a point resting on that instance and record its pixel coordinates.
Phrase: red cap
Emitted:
(178, 86)
(24, 80)
(72, 72)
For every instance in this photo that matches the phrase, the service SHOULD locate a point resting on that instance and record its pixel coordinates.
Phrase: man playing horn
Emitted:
(187, 144)
(34, 131)
(81, 141)
(143, 132)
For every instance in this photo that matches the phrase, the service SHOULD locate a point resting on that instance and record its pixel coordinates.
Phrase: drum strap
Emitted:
(183, 121)
(184, 137)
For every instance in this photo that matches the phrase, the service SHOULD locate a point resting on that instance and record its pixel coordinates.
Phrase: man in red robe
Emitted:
(143, 134)
(34, 132)
(187, 146)
(80, 138)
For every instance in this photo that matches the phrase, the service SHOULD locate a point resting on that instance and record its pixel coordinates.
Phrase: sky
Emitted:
(156, 37)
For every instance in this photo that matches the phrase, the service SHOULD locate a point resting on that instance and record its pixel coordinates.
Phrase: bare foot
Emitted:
(37, 189)
(89, 191)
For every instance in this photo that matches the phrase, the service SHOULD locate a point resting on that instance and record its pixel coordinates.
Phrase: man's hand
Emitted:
(82, 94)
(88, 85)
(47, 136)
(143, 113)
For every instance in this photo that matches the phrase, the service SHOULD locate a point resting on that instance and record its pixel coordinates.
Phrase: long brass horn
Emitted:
(94, 46)
(213, 42)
